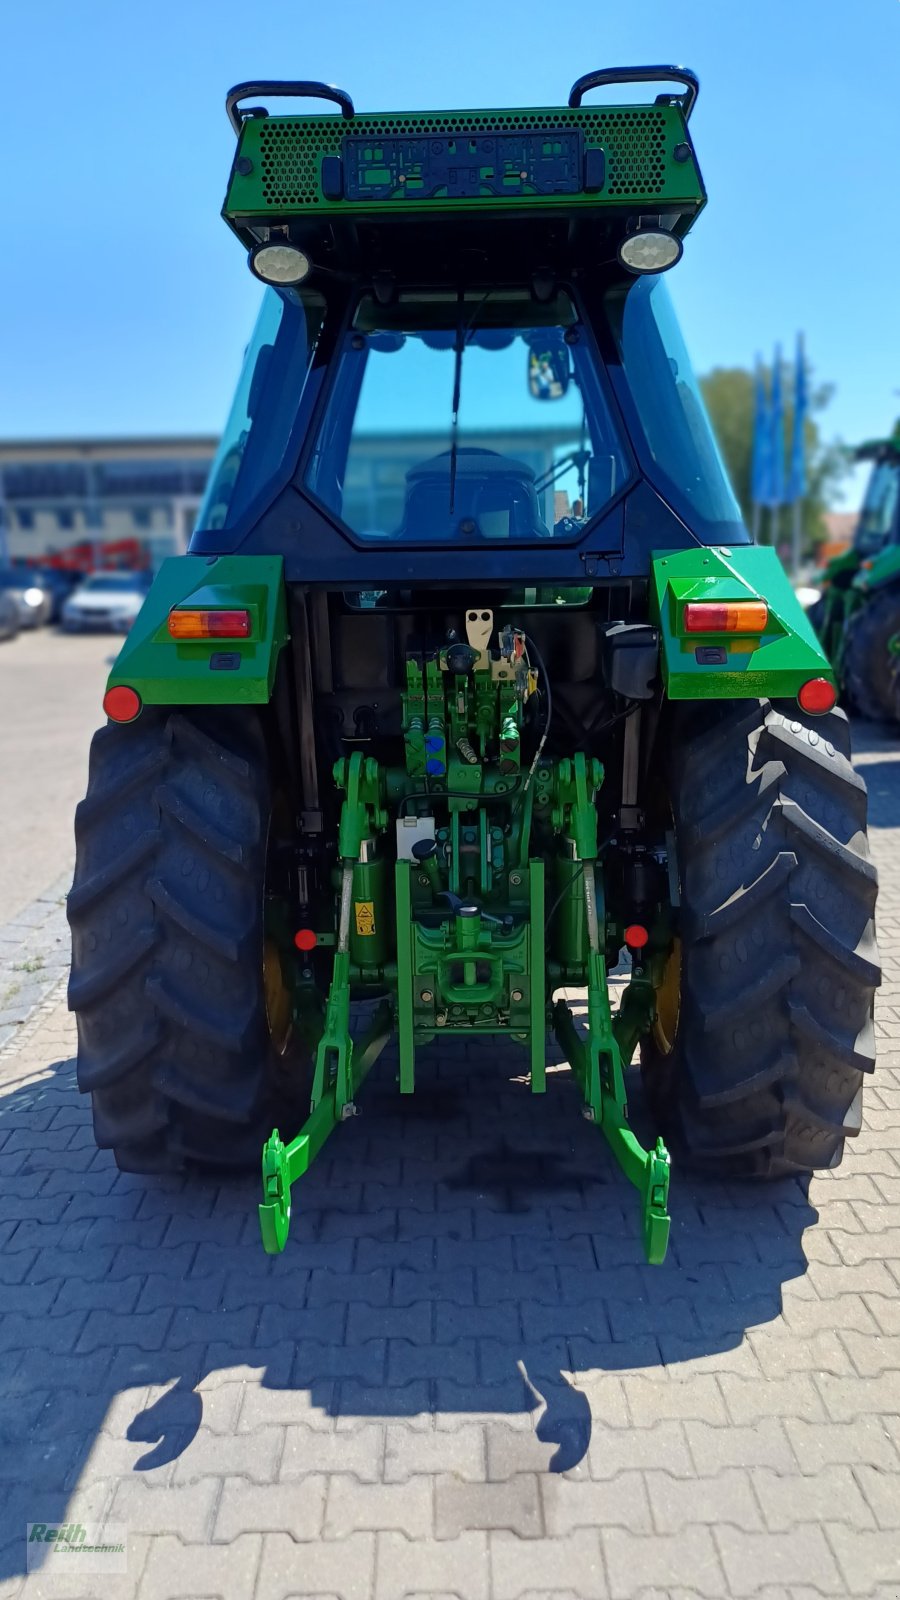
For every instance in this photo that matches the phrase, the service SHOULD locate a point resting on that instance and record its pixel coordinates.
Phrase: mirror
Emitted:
(548, 366)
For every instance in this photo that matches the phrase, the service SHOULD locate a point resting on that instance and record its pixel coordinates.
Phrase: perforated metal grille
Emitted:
(291, 147)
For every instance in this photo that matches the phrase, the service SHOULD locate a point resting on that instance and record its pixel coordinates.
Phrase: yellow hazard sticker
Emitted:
(365, 917)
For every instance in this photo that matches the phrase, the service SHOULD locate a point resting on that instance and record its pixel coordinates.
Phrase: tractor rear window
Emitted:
(265, 413)
(475, 418)
(666, 413)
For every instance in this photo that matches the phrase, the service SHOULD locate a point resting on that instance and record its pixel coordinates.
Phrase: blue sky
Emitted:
(125, 302)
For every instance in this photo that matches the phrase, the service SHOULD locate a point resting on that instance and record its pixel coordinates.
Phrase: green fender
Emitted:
(847, 562)
(726, 666)
(167, 671)
(882, 570)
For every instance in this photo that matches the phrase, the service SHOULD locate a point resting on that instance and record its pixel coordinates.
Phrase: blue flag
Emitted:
(761, 468)
(776, 481)
(797, 479)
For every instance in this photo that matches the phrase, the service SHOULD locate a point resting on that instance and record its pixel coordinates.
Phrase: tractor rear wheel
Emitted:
(895, 686)
(765, 1013)
(185, 1038)
(867, 665)
(815, 616)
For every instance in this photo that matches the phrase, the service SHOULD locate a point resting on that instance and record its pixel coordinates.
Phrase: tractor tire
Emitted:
(765, 1017)
(895, 687)
(815, 616)
(176, 1042)
(867, 660)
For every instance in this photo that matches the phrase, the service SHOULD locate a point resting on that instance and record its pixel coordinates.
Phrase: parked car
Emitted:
(109, 600)
(9, 616)
(60, 583)
(31, 595)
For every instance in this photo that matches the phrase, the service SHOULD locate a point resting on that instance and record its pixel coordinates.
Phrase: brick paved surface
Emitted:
(459, 1379)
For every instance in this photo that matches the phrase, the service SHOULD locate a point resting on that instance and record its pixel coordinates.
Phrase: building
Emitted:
(131, 502)
(93, 502)
(840, 527)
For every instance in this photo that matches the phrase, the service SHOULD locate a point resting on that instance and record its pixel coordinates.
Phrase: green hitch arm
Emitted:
(649, 1171)
(283, 1164)
(339, 1068)
(600, 1078)
(597, 1060)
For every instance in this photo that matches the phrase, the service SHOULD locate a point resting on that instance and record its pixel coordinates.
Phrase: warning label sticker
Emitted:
(365, 917)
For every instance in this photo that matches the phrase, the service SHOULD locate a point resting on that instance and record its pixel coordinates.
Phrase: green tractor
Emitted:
(471, 682)
(856, 603)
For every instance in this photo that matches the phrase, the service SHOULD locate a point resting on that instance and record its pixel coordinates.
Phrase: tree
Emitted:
(728, 392)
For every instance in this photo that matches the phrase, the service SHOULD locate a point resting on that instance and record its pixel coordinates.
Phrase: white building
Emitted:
(60, 494)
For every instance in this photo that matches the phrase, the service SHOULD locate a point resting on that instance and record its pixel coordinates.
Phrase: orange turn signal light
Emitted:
(728, 616)
(185, 624)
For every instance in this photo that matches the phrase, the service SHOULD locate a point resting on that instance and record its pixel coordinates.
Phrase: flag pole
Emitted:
(797, 484)
(761, 453)
(796, 536)
(777, 494)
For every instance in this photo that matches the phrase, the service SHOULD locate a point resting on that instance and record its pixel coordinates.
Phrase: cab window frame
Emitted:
(362, 291)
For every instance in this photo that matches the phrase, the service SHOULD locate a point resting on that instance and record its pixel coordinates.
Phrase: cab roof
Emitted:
(572, 177)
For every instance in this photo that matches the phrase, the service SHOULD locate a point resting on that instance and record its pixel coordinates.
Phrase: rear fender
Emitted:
(880, 572)
(166, 671)
(772, 665)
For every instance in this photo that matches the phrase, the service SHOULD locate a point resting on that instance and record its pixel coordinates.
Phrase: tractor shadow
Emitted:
(471, 1249)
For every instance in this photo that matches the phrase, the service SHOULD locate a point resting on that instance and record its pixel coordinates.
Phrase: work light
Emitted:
(279, 263)
(650, 250)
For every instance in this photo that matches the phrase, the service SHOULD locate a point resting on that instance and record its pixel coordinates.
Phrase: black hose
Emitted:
(545, 680)
(548, 918)
(455, 794)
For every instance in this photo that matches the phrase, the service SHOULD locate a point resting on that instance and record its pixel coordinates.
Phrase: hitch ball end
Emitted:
(656, 1202)
(275, 1210)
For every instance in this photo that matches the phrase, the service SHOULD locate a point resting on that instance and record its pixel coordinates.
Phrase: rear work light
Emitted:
(817, 695)
(184, 624)
(729, 616)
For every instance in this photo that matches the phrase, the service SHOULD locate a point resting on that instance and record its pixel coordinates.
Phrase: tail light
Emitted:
(185, 624)
(730, 616)
(817, 695)
(121, 704)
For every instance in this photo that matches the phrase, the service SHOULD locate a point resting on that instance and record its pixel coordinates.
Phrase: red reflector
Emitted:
(121, 704)
(187, 624)
(728, 616)
(817, 695)
(636, 936)
(305, 939)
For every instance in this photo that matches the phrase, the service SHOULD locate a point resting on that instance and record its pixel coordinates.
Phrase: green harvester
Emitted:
(472, 685)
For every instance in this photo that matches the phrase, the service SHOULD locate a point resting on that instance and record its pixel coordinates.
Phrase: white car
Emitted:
(105, 600)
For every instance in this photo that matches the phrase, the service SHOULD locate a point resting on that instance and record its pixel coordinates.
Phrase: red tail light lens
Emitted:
(121, 704)
(817, 695)
(729, 616)
(185, 624)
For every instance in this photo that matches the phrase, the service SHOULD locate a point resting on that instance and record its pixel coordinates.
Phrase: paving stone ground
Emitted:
(459, 1379)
